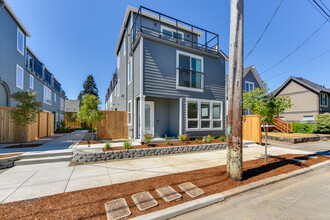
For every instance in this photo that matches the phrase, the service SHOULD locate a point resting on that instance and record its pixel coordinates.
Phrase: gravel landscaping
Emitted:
(89, 204)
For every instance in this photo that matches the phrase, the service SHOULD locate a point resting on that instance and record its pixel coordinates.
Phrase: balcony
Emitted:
(112, 84)
(159, 25)
(34, 65)
(57, 86)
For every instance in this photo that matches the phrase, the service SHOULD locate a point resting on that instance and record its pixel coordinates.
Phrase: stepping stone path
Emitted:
(144, 200)
(117, 209)
(192, 190)
(168, 193)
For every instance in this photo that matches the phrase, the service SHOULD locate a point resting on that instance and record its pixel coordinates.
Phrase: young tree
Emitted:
(89, 87)
(89, 111)
(26, 110)
(70, 117)
(260, 102)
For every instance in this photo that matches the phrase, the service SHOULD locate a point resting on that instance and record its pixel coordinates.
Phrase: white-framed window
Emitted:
(31, 81)
(47, 95)
(118, 88)
(249, 86)
(19, 76)
(61, 104)
(20, 41)
(324, 100)
(129, 70)
(54, 97)
(170, 32)
(189, 71)
(204, 114)
(129, 112)
(118, 60)
(124, 46)
(308, 117)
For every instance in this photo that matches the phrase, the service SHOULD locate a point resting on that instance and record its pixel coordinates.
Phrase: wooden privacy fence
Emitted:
(74, 124)
(252, 128)
(11, 133)
(112, 126)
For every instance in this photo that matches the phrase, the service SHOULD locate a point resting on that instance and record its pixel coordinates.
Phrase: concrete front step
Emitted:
(55, 153)
(41, 160)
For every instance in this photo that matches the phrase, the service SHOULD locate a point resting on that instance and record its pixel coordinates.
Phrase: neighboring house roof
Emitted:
(15, 17)
(255, 74)
(306, 83)
(71, 106)
(147, 14)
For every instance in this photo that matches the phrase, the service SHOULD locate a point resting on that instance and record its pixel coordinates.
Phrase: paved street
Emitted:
(302, 197)
(33, 181)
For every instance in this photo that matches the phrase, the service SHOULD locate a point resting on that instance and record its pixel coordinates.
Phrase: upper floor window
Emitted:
(189, 71)
(118, 88)
(130, 71)
(249, 86)
(31, 81)
(20, 41)
(129, 113)
(54, 97)
(19, 76)
(324, 100)
(169, 32)
(47, 95)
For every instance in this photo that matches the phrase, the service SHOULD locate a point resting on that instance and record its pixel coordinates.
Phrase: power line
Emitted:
(296, 48)
(321, 8)
(264, 29)
(303, 63)
(325, 6)
(317, 9)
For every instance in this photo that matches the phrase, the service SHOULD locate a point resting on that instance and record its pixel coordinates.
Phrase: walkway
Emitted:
(55, 142)
(33, 181)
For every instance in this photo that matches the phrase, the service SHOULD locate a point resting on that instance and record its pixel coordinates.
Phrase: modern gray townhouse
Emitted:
(21, 69)
(170, 77)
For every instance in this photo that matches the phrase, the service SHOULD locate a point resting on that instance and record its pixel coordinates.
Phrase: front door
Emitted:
(149, 118)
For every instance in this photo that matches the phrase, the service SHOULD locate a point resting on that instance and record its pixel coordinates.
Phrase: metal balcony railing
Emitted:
(199, 38)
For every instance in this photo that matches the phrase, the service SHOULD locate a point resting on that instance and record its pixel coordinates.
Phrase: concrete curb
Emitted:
(212, 199)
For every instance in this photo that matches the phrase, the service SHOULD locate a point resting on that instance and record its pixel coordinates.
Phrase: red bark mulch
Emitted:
(90, 142)
(8, 155)
(89, 204)
(155, 145)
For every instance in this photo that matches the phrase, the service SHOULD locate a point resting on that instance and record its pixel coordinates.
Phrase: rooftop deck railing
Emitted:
(112, 84)
(208, 41)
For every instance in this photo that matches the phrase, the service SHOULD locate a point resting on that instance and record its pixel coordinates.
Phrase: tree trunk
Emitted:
(92, 131)
(266, 136)
(235, 92)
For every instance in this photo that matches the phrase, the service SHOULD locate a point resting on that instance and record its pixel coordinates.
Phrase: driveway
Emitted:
(303, 197)
(33, 181)
(55, 142)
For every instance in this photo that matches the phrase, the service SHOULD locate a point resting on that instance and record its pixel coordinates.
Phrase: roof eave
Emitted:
(27, 33)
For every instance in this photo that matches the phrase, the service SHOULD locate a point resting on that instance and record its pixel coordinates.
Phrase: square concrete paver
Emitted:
(144, 200)
(168, 193)
(192, 190)
(117, 209)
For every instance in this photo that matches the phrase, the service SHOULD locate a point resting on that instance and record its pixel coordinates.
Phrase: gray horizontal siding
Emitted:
(250, 77)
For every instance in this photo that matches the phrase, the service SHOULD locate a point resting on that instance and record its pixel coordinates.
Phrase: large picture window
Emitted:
(190, 69)
(204, 114)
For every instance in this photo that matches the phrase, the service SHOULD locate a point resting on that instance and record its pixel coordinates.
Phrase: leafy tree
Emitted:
(260, 102)
(89, 111)
(26, 110)
(70, 117)
(322, 124)
(89, 87)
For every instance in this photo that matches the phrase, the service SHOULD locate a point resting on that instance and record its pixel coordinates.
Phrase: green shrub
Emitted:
(182, 138)
(108, 145)
(208, 139)
(197, 141)
(322, 125)
(127, 145)
(168, 140)
(147, 139)
(302, 128)
(222, 138)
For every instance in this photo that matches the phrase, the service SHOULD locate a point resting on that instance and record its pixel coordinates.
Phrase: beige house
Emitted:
(308, 99)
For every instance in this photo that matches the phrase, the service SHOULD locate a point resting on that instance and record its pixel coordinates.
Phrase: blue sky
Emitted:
(75, 38)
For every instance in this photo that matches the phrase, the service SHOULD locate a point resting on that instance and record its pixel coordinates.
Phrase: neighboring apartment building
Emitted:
(72, 106)
(308, 99)
(21, 70)
(170, 76)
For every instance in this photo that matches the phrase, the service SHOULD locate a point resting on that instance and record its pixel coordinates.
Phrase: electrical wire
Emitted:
(317, 9)
(325, 6)
(255, 45)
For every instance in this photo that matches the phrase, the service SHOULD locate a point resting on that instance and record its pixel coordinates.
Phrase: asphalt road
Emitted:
(303, 197)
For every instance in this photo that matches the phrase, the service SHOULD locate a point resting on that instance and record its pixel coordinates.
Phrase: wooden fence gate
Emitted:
(11, 133)
(252, 128)
(113, 125)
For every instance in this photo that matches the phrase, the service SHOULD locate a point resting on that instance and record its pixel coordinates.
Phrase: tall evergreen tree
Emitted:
(89, 87)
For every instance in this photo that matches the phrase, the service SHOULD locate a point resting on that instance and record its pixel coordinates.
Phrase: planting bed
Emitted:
(90, 142)
(296, 137)
(89, 204)
(8, 155)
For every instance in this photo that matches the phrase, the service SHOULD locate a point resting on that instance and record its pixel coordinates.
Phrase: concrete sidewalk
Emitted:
(55, 142)
(33, 181)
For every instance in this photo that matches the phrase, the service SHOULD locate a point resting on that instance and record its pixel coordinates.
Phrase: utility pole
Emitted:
(235, 91)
